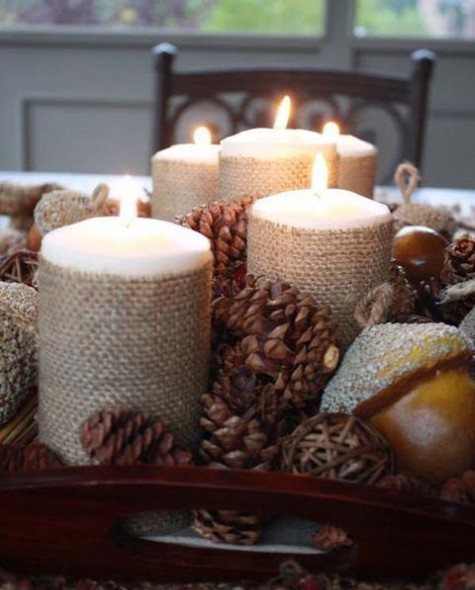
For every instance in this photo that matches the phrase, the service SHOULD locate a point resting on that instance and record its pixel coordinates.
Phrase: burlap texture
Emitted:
(179, 186)
(338, 267)
(254, 176)
(357, 174)
(139, 342)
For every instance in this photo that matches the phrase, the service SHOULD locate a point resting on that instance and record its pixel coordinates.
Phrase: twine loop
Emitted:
(375, 306)
(407, 178)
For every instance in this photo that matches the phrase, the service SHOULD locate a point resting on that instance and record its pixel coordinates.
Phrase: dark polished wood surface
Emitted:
(69, 521)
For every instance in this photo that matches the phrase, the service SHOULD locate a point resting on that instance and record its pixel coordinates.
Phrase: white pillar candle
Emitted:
(331, 243)
(124, 318)
(266, 161)
(144, 247)
(357, 161)
(184, 176)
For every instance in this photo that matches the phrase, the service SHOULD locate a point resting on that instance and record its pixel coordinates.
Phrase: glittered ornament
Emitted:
(64, 207)
(337, 446)
(411, 382)
(18, 350)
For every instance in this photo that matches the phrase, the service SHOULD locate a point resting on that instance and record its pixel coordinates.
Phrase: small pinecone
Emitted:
(227, 526)
(459, 264)
(404, 302)
(116, 435)
(233, 438)
(406, 483)
(337, 446)
(284, 337)
(460, 489)
(19, 267)
(32, 457)
(225, 224)
(330, 537)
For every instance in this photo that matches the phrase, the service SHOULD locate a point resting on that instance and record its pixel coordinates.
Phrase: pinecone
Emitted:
(119, 436)
(459, 267)
(459, 262)
(227, 526)
(330, 537)
(337, 446)
(460, 489)
(225, 224)
(32, 457)
(283, 337)
(233, 438)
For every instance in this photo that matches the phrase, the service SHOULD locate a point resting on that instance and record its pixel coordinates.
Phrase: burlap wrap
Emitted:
(338, 267)
(142, 342)
(179, 186)
(239, 176)
(357, 174)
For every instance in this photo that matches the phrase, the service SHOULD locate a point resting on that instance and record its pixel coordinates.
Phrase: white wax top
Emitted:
(333, 209)
(146, 247)
(190, 152)
(265, 143)
(349, 145)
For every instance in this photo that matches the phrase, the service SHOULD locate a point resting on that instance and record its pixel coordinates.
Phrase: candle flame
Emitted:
(202, 136)
(128, 192)
(319, 174)
(331, 130)
(283, 113)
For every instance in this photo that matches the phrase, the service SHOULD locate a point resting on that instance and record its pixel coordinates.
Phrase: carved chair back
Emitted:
(246, 98)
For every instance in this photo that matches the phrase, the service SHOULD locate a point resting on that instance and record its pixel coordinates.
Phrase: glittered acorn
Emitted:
(412, 383)
(18, 351)
(64, 207)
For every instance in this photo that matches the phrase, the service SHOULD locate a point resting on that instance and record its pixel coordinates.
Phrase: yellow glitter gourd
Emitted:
(411, 382)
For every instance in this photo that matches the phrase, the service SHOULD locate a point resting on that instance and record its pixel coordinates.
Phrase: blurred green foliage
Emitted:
(287, 17)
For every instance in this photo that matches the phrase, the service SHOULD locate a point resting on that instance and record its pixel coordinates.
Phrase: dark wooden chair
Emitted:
(246, 97)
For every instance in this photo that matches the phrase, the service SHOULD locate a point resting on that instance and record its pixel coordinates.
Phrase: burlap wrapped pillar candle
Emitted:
(263, 162)
(356, 161)
(184, 176)
(124, 318)
(335, 245)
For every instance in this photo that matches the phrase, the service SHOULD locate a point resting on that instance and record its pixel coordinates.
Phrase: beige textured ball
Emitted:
(63, 207)
(436, 218)
(18, 349)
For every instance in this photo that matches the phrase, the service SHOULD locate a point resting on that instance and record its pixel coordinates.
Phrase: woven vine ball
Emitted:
(337, 446)
(411, 382)
(18, 351)
(64, 207)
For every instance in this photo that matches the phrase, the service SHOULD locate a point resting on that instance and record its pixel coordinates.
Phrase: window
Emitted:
(285, 17)
(416, 18)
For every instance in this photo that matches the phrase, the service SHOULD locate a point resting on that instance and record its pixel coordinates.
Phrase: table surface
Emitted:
(463, 198)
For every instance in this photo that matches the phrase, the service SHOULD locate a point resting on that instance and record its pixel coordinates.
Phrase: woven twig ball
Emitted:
(337, 446)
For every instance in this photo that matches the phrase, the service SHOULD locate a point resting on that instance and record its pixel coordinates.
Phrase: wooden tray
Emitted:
(70, 521)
